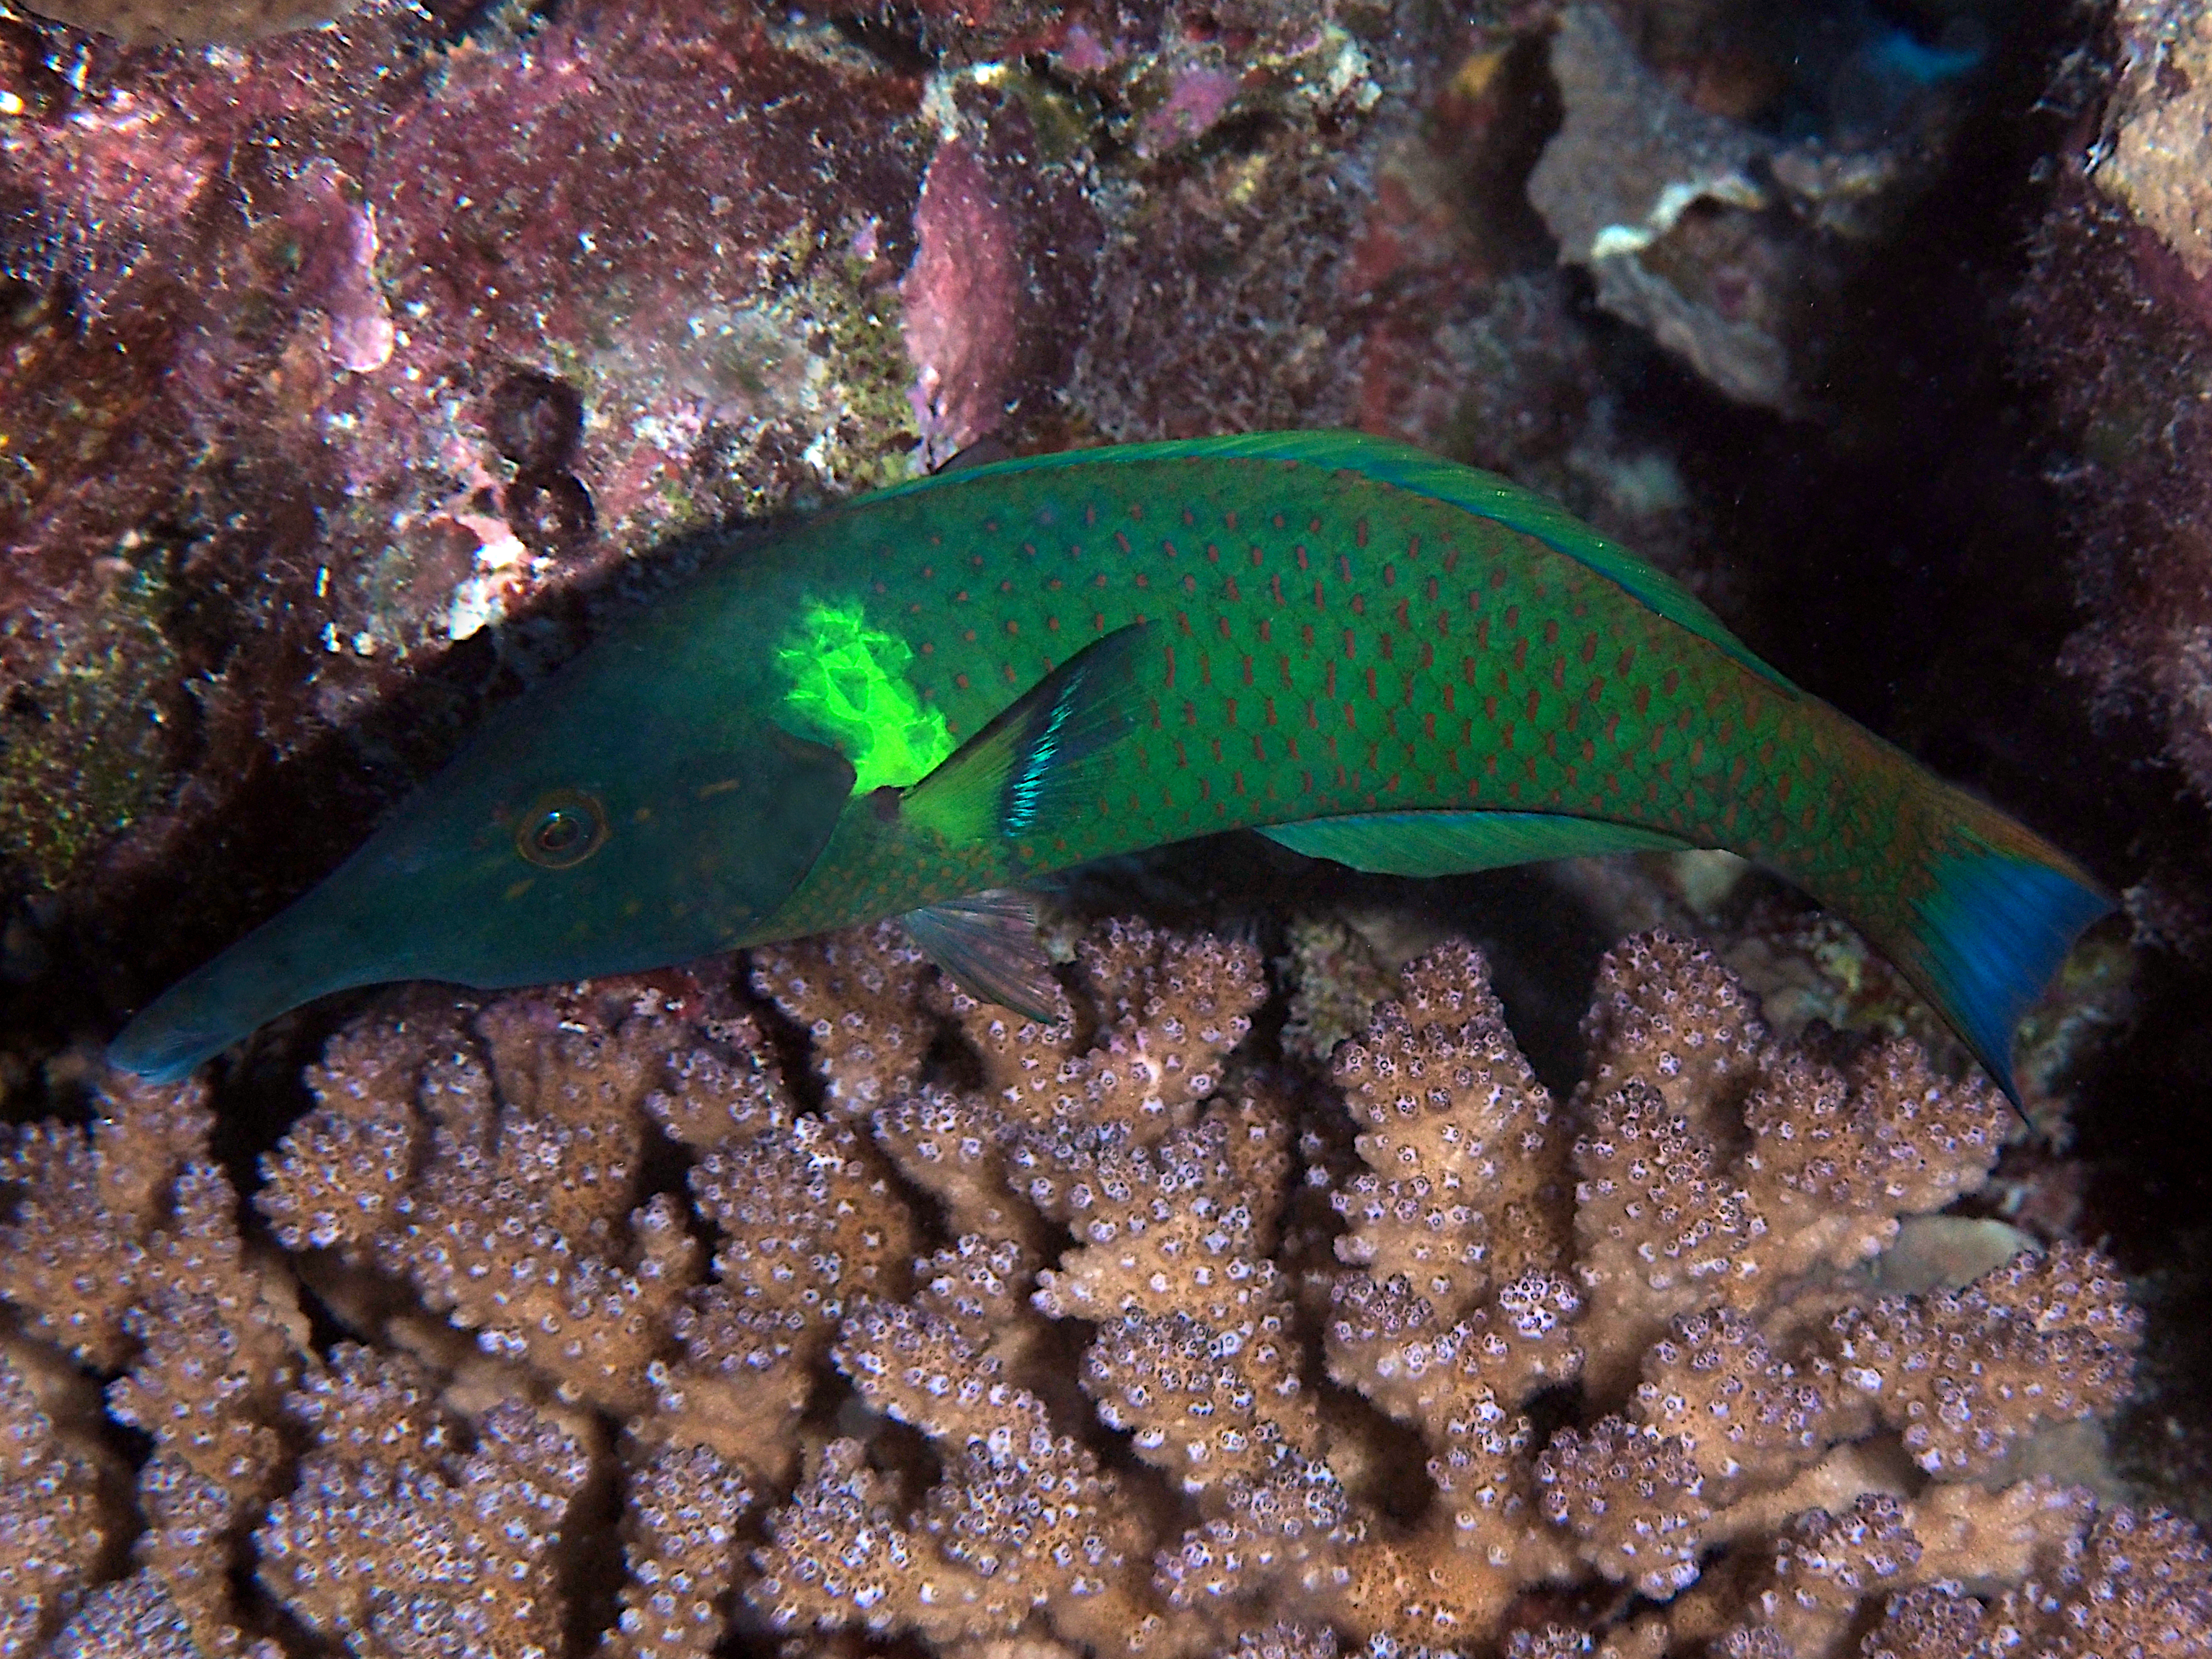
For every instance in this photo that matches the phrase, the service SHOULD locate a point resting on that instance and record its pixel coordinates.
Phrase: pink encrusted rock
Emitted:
(963, 299)
(635, 204)
(337, 242)
(1197, 98)
(278, 290)
(1000, 285)
(2119, 319)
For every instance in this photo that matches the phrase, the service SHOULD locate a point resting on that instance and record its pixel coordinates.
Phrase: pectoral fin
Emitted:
(1454, 843)
(986, 943)
(1025, 769)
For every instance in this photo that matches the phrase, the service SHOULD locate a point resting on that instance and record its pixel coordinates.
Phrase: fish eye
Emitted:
(563, 828)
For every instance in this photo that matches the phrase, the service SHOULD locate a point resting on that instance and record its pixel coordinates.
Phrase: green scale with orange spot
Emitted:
(917, 703)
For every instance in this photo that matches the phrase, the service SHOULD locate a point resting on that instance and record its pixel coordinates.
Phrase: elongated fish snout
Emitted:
(292, 959)
(166, 1044)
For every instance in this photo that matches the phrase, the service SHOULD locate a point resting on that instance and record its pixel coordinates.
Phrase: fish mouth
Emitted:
(161, 1047)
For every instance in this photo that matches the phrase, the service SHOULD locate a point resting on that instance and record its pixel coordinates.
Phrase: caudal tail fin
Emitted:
(1983, 927)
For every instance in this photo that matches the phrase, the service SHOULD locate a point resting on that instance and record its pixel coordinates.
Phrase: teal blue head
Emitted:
(627, 815)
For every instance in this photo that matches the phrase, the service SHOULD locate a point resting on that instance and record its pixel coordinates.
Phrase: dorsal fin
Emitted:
(1403, 467)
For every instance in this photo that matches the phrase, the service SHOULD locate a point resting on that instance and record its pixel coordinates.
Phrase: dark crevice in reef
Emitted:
(1907, 556)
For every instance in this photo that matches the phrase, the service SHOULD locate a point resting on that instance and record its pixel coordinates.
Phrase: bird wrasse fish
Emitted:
(920, 701)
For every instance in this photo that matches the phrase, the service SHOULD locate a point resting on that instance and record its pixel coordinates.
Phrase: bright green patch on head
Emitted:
(849, 679)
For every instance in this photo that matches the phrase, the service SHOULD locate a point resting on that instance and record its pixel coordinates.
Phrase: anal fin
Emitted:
(986, 943)
(1441, 843)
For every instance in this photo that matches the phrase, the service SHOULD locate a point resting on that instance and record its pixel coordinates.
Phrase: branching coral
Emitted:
(396, 1540)
(59, 1516)
(1012, 1337)
(1024, 1521)
(496, 1167)
(124, 1249)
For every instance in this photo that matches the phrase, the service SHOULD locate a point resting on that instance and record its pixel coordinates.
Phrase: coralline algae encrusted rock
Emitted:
(840, 1301)
(265, 309)
(1007, 240)
(1167, 76)
(273, 310)
(2117, 323)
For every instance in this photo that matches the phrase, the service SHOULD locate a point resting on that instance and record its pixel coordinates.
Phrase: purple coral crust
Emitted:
(2117, 308)
(255, 478)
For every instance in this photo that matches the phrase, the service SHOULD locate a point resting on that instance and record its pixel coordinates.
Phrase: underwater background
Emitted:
(357, 373)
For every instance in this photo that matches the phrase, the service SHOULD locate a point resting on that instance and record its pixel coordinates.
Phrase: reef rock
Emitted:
(2118, 325)
(1674, 184)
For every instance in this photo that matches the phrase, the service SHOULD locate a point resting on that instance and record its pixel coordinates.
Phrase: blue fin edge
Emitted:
(1026, 765)
(1991, 934)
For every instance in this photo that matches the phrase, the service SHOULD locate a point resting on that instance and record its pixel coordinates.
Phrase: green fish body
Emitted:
(955, 687)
